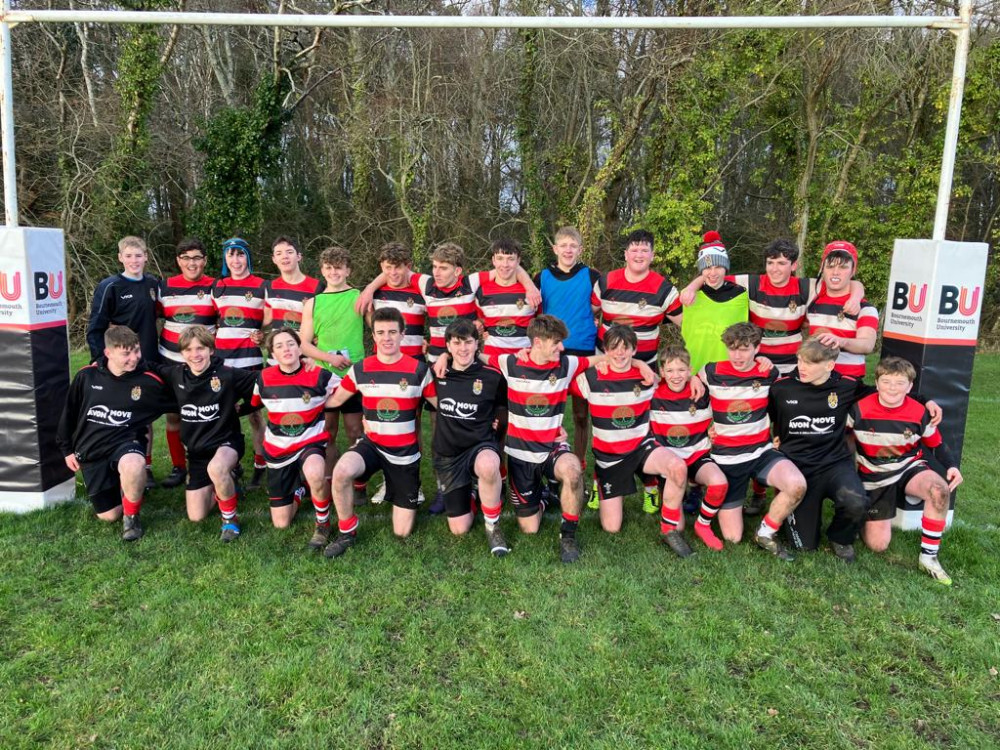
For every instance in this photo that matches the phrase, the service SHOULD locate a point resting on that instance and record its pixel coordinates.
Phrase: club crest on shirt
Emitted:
(403, 384)
(692, 410)
(908, 433)
(792, 305)
(841, 315)
(636, 391)
(756, 385)
(409, 302)
(553, 379)
(248, 296)
(623, 417)
(215, 383)
(152, 294)
(642, 302)
(520, 304)
(306, 397)
(201, 294)
(832, 401)
(477, 386)
(137, 393)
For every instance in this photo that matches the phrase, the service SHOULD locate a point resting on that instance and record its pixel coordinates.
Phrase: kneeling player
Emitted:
(102, 431)
(465, 441)
(741, 444)
(890, 427)
(295, 440)
(391, 385)
(207, 392)
(680, 420)
(619, 400)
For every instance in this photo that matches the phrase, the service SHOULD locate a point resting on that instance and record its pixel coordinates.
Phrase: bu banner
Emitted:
(35, 351)
(932, 319)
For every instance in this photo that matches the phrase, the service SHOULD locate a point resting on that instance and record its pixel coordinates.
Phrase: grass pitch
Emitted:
(180, 641)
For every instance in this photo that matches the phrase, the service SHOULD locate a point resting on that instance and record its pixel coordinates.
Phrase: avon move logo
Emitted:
(953, 298)
(47, 285)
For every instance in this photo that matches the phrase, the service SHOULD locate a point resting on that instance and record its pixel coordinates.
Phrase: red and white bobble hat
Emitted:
(712, 252)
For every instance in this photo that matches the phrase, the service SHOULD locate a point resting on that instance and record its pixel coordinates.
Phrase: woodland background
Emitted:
(357, 137)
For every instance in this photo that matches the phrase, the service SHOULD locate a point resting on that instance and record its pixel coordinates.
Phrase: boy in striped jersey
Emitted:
(391, 385)
(829, 320)
(239, 304)
(619, 398)
(295, 440)
(891, 429)
(400, 291)
(741, 439)
(285, 295)
(183, 300)
(680, 420)
(637, 296)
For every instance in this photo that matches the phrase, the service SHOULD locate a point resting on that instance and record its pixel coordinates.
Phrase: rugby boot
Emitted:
(772, 545)
(175, 478)
(932, 567)
(131, 528)
(497, 543)
(676, 541)
(340, 545)
(320, 537)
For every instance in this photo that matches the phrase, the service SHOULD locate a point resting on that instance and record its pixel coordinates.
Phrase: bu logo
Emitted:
(10, 289)
(48, 285)
(907, 296)
(958, 299)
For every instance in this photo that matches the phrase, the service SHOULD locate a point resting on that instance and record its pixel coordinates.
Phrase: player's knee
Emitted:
(281, 523)
(852, 502)
(611, 526)
(940, 497)
(733, 537)
(196, 515)
(110, 516)
(877, 543)
(796, 488)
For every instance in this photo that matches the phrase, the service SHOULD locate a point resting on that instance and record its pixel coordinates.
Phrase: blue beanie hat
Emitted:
(235, 243)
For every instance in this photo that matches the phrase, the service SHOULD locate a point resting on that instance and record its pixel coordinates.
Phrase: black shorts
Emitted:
(739, 475)
(284, 481)
(351, 406)
(402, 481)
(198, 462)
(619, 480)
(695, 466)
(525, 480)
(456, 475)
(841, 484)
(883, 501)
(104, 487)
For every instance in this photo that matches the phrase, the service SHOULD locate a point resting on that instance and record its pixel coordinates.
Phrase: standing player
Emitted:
(330, 319)
(400, 291)
(183, 300)
(623, 446)
(680, 420)
(830, 322)
(391, 385)
(127, 299)
(466, 451)
(566, 287)
(239, 304)
(892, 429)
(741, 444)
(295, 440)
(285, 296)
(208, 392)
(639, 297)
(103, 429)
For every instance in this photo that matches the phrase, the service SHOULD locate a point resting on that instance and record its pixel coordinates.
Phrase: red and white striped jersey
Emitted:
(619, 412)
(390, 395)
(739, 409)
(826, 315)
(505, 313)
(240, 307)
(285, 301)
(182, 303)
(681, 423)
(642, 305)
(536, 400)
(780, 313)
(889, 441)
(445, 306)
(294, 403)
(409, 300)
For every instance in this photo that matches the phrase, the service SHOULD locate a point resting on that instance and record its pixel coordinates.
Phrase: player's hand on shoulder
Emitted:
(764, 363)
(935, 412)
(697, 387)
(523, 355)
(440, 367)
